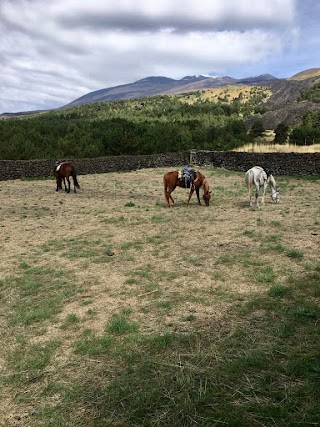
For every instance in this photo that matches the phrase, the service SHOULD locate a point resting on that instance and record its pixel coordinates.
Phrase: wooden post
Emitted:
(193, 157)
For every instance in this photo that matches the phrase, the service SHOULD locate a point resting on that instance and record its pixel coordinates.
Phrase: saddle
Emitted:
(188, 176)
(58, 164)
(267, 171)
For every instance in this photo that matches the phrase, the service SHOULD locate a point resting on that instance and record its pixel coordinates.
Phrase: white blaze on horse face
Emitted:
(275, 197)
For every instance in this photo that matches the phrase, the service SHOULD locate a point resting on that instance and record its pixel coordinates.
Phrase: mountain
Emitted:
(152, 86)
(312, 72)
(282, 106)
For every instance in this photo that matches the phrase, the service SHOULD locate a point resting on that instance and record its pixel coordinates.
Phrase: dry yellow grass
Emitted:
(230, 93)
(312, 72)
(278, 148)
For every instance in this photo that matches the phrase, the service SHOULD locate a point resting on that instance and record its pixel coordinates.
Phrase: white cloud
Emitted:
(54, 52)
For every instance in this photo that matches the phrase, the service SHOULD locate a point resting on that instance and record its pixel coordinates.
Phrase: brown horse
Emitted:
(62, 172)
(171, 180)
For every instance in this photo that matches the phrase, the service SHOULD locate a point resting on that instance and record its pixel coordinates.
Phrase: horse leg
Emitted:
(257, 194)
(264, 192)
(69, 184)
(190, 195)
(198, 194)
(167, 192)
(167, 195)
(74, 185)
(249, 192)
(58, 183)
(64, 183)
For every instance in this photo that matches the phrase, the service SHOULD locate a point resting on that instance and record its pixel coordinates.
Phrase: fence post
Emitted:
(193, 157)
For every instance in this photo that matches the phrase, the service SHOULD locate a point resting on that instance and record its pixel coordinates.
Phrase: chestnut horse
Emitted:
(62, 172)
(171, 180)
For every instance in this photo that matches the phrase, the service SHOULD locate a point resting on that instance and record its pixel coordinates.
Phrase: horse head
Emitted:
(206, 197)
(275, 196)
(206, 192)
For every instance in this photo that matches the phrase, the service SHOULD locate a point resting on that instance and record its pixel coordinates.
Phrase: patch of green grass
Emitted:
(249, 233)
(276, 224)
(39, 294)
(166, 304)
(217, 275)
(27, 361)
(136, 245)
(119, 325)
(190, 318)
(113, 220)
(131, 281)
(156, 239)
(93, 345)
(158, 218)
(279, 290)
(294, 253)
(225, 259)
(71, 321)
(265, 275)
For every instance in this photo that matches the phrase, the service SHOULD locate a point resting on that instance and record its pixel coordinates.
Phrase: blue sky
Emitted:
(53, 52)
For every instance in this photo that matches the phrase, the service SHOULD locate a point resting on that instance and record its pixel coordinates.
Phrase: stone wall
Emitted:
(279, 163)
(15, 169)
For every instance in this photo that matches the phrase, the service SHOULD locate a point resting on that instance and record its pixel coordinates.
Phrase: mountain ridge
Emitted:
(283, 105)
(160, 85)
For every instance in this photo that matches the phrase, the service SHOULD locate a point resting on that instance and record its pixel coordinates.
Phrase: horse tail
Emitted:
(74, 176)
(248, 178)
(165, 186)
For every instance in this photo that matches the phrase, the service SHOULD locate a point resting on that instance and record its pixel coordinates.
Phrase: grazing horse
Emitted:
(62, 172)
(261, 177)
(171, 180)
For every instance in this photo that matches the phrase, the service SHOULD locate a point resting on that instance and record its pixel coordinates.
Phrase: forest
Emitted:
(142, 126)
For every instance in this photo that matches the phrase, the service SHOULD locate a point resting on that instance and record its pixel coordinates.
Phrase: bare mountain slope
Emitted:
(312, 72)
(152, 86)
(284, 106)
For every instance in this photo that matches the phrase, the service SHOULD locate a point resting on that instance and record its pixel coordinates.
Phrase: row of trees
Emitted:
(311, 94)
(124, 127)
(144, 126)
(307, 133)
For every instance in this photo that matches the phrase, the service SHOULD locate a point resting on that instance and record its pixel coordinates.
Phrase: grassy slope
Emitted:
(312, 72)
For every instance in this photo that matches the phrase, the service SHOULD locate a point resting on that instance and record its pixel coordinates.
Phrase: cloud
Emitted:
(54, 52)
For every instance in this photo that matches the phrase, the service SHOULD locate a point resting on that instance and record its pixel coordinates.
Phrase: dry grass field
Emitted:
(228, 93)
(118, 311)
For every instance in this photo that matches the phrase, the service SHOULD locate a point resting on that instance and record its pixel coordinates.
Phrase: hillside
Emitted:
(284, 105)
(281, 96)
(152, 86)
(312, 72)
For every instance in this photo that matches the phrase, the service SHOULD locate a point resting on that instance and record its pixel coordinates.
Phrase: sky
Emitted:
(54, 51)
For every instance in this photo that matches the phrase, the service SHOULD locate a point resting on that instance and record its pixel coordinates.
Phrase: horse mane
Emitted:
(272, 182)
(205, 184)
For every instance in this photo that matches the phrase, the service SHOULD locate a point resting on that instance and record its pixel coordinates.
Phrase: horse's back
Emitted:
(256, 173)
(170, 177)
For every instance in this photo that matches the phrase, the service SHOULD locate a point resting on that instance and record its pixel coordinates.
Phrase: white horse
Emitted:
(260, 177)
